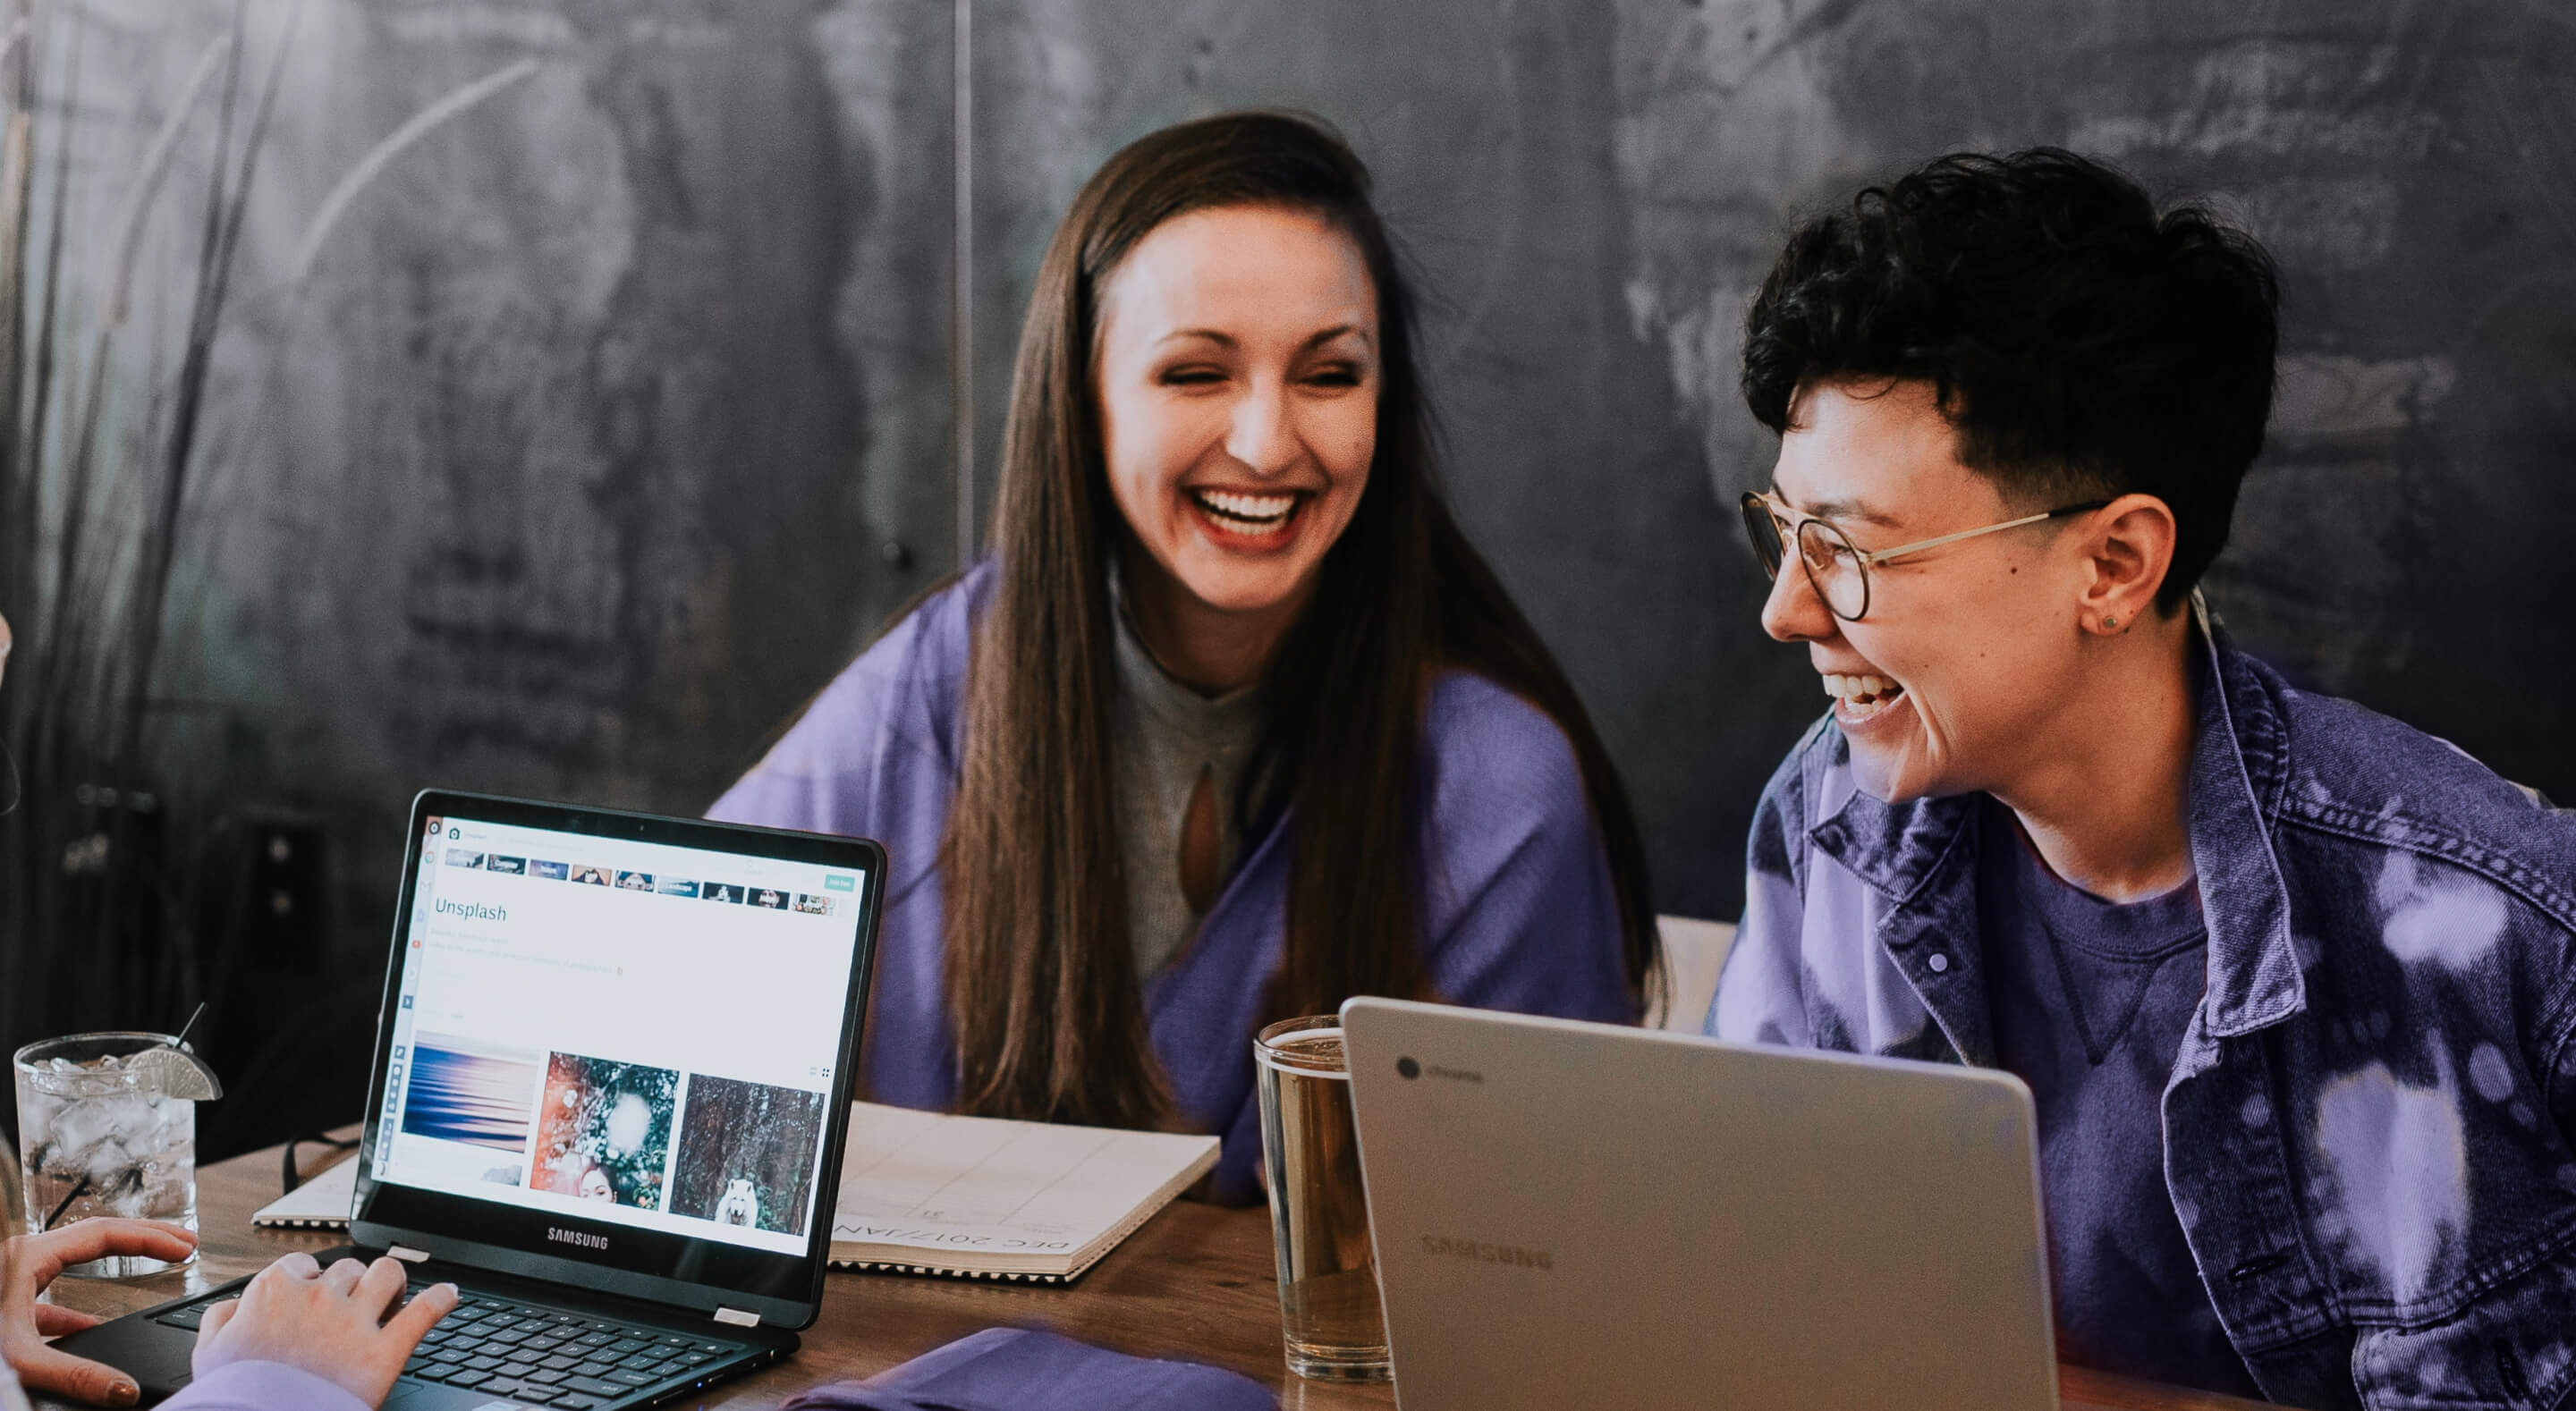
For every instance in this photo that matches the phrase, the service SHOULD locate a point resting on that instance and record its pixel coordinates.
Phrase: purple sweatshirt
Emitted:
(1516, 899)
(261, 1386)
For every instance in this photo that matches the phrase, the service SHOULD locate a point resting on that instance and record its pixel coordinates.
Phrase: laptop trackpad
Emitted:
(154, 1354)
(429, 1396)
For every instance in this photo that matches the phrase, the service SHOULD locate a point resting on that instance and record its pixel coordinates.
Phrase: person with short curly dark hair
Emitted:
(2293, 985)
(2080, 344)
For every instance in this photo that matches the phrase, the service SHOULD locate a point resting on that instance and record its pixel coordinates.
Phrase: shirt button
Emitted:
(1938, 962)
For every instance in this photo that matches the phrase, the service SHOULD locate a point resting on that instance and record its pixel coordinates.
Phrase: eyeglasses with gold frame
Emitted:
(1837, 568)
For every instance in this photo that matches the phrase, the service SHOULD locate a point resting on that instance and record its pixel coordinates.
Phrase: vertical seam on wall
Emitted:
(961, 276)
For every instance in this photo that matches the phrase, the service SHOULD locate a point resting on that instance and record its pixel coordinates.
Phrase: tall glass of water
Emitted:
(98, 1138)
(1328, 1297)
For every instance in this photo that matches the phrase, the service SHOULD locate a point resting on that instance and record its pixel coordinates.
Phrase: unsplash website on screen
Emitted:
(619, 1030)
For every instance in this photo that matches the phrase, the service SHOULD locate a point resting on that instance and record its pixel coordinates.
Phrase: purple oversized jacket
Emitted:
(1517, 905)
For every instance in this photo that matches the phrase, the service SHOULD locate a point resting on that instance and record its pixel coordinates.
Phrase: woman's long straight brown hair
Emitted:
(1042, 990)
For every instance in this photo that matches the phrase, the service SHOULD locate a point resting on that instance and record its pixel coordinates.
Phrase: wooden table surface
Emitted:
(1195, 1282)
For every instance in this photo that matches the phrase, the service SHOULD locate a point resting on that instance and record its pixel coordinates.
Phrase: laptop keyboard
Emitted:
(548, 1357)
(543, 1356)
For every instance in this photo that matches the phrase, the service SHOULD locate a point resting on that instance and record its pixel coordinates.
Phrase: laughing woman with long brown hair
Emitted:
(1233, 723)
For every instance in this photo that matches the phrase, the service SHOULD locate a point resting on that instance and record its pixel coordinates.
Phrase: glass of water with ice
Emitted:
(99, 1137)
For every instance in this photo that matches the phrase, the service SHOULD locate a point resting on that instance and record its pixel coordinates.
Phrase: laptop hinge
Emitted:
(407, 1254)
(738, 1317)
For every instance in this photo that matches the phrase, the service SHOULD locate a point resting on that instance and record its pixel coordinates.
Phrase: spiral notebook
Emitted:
(984, 1198)
(925, 1193)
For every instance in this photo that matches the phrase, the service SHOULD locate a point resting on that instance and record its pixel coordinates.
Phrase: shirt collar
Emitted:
(2239, 759)
(2238, 764)
(1226, 723)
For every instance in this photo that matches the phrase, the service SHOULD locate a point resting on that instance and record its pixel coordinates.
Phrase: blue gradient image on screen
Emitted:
(467, 1092)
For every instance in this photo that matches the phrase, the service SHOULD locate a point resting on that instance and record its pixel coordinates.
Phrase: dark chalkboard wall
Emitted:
(618, 412)
(612, 415)
(1596, 189)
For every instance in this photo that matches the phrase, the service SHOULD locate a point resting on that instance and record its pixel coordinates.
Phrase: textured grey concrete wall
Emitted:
(576, 465)
(584, 453)
(1596, 188)
(2413, 168)
(1494, 131)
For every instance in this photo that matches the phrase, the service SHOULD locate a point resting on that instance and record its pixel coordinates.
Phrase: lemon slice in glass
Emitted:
(176, 1072)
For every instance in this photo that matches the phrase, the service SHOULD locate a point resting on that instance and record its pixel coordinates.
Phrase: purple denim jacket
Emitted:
(1517, 905)
(2370, 1128)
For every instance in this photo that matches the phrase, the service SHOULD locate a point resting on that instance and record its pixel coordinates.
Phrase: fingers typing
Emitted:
(417, 1317)
(380, 1285)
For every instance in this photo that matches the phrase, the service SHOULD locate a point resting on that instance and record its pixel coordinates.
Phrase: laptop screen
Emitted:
(618, 1046)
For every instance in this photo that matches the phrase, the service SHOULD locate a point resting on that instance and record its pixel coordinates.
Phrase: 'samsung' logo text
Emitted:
(1487, 1252)
(576, 1237)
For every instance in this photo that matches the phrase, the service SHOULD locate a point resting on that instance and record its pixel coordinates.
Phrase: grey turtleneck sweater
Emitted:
(1166, 735)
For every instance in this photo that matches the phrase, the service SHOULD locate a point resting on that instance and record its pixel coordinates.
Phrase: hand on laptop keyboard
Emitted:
(330, 1322)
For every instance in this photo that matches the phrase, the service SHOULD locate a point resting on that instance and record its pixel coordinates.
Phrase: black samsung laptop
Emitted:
(608, 1103)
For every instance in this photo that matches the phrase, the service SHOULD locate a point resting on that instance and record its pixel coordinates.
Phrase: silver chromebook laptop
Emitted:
(1573, 1214)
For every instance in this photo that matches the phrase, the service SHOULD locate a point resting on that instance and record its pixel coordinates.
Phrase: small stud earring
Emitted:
(2110, 622)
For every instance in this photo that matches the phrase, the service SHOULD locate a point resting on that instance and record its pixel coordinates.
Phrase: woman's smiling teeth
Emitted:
(1859, 697)
(1252, 511)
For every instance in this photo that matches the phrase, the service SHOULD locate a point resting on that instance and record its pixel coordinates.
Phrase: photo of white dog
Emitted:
(739, 1206)
(747, 1155)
